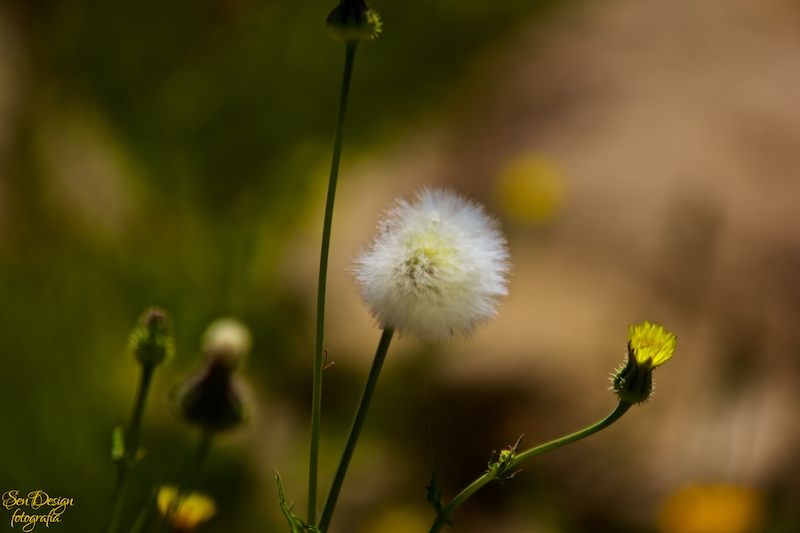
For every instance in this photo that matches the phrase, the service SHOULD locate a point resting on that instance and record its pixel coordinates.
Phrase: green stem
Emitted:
(127, 462)
(316, 401)
(358, 423)
(187, 480)
(196, 466)
(444, 516)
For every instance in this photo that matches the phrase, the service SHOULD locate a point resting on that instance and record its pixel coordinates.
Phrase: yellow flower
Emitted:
(650, 344)
(712, 509)
(192, 510)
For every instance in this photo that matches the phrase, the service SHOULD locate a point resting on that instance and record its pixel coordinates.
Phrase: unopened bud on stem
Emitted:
(649, 346)
(151, 342)
(214, 398)
(353, 21)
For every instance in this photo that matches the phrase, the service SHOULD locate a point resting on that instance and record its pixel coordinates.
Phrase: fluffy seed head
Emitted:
(435, 269)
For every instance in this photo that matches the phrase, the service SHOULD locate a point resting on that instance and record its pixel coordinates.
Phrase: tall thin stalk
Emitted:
(131, 446)
(316, 401)
(355, 431)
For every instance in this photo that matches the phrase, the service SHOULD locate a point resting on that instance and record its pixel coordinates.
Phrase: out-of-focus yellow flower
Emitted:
(712, 509)
(650, 344)
(195, 509)
(399, 520)
(530, 188)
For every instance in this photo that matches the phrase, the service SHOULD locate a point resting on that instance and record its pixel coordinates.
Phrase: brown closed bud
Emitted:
(213, 397)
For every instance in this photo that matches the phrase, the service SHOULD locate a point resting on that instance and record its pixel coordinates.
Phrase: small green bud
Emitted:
(500, 462)
(151, 342)
(353, 21)
(649, 346)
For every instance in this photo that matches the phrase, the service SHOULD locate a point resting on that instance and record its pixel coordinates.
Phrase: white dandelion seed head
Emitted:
(436, 268)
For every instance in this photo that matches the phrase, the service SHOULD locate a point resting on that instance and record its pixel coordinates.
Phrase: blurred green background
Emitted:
(183, 136)
(175, 154)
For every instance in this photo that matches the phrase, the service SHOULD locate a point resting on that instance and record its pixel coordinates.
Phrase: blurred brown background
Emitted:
(642, 158)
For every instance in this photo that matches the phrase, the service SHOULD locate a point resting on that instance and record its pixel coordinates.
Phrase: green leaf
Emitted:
(117, 444)
(434, 497)
(296, 525)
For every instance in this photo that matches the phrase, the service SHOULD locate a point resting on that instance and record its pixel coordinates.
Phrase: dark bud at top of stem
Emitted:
(151, 342)
(212, 397)
(353, 21)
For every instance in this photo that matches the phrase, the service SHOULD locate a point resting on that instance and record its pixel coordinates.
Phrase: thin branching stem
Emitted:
(491, 475)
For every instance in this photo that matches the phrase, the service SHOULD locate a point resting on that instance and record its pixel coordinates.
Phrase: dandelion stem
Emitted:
(444, 516)
(358, 423)
(316, 401)
(126, 462)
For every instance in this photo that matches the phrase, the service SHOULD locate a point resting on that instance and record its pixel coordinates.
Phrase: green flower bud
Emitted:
(151, 342)
(649, 346)
(500, 462)
(353, 21)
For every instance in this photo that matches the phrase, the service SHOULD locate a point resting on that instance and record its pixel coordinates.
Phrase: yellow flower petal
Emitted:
(712, 509)
(651, 344)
